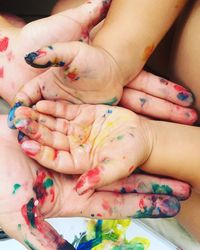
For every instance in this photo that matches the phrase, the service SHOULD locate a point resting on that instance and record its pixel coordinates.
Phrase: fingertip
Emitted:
(31, 148)
(11, 115)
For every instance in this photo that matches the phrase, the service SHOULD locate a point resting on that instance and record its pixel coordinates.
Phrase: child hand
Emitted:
(69, 25)
(30, 194)
(105, 143)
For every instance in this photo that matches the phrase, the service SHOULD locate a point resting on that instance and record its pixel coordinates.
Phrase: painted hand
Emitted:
(157, 97)
(29, 194)
(101, 142)
(69, 25)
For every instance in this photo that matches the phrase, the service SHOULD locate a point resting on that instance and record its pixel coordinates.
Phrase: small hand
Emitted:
(70, 25)
(29, 194)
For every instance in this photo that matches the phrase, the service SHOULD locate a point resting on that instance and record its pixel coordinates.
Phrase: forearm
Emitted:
(133, 29)
(176, 152)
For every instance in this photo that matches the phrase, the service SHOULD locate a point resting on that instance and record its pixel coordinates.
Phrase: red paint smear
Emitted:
(39, 188)
(106, 206)
(28, 153)
(73, 76)
(52, 195)
(99, 215)
(24, 214)
(141, 204)
(41, 53)
(10, 56)
(55, 154)
(4, 44)
(179, 88)
(1, 72)
(92, 177)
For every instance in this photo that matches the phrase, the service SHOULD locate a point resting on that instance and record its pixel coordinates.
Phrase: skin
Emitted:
(66, 26)
(41, 194)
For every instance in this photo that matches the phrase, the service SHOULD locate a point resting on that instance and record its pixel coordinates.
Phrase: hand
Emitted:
(103, 143)
(29, 194)
(69, 25)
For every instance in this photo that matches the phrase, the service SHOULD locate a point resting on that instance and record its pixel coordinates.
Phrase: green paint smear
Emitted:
(19, 226)
(161, 189)
(112, 233)
(48, 183)
(120, 137)
(30, 245)
(15, 188)
(111, 102)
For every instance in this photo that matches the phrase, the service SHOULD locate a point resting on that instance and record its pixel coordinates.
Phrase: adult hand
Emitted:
(29, 194)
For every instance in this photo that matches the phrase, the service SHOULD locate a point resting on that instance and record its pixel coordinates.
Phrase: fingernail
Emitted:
(88, 180)
(157, 207)
(21, 137)
(31, 148)
(21, 123)
(185, 96)
(11, 115)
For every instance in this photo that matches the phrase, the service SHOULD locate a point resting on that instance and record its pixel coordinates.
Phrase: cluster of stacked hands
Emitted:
(75, 151)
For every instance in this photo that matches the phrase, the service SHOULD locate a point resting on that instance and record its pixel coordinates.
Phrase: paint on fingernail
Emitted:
(11, 115)
(21, 137)
(185, 96)
(157, 207)
(31, 148)
(21, 123)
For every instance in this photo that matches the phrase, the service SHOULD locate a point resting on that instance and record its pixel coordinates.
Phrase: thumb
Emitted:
(73, 24)
(57, 55)
(30, 229)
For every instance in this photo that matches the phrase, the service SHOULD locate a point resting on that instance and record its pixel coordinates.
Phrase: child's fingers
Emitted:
(57, 160)
(42, 134)
(57, 55)
(119, 206)
(58, 109)
(147, 184)
(143, 103)
(105, 174)
(54, 124)
(162, 88)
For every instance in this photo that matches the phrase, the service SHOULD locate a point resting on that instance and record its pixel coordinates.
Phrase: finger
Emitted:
(33, 232)
(109, 172)
(72, 24)
(58, 109)
(42, 134)
(54, 124)
(107, 205)
(58, 160)
(145, 104)
(147, 184)
(162, 88)
(57, 55)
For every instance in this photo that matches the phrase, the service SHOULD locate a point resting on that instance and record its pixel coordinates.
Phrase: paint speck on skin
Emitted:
(19, 226)
(120, 137)
(16, 187)
(111, 102)
(142, 101)
(147, 52)
(50, 47)
(1, 72)
(30, 245)
(161, 189)
(4, 44)
(72, 75)
(163, 81)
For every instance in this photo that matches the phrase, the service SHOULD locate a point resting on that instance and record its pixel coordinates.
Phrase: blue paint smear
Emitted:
(11, 115)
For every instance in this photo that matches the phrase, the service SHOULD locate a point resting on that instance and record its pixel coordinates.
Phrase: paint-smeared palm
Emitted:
(69, 25)
(29, 193)
(107, 143)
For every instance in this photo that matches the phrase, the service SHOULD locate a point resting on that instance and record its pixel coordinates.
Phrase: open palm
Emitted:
(29, 194)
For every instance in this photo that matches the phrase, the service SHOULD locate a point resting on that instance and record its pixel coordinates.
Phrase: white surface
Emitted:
(74, 226)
